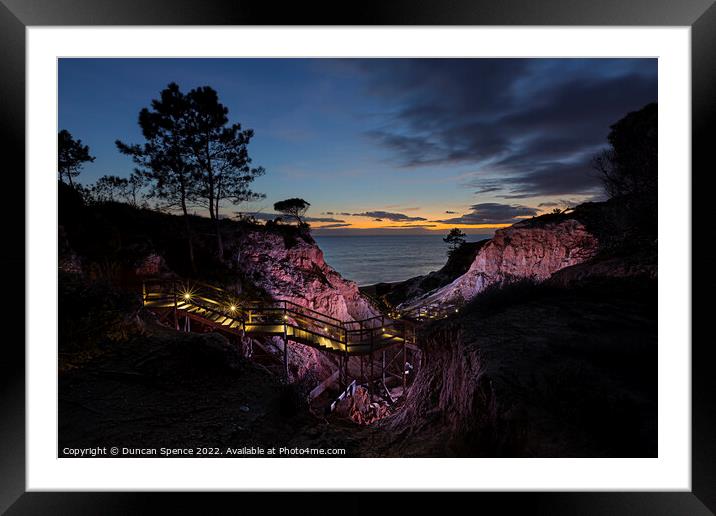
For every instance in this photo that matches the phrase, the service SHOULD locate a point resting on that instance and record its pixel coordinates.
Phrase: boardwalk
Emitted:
(366, 339)
(216, 307)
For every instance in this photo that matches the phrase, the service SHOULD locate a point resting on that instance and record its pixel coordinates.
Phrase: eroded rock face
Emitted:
(299, 273)
(523, 251)
(151, 265)
(361, 408)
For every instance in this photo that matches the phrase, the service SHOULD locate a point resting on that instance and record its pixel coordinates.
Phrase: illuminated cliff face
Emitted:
(299, 273)
(522, 251)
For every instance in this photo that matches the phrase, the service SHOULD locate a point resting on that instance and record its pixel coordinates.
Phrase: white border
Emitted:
(670, 471)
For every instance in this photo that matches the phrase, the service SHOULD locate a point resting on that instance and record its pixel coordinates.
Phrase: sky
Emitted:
(384, 145)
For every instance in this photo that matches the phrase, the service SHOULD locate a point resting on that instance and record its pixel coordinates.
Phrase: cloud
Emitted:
(530, 126)
(560, 203)
(322, 219)
(272, 216)
(553, 179)
(329, 226)
(395, 217)
(412, 226)
(492, 213)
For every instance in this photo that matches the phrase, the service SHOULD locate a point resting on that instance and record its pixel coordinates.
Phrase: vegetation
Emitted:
(111, 188)
(629, 166)
(295, 208)
(539, 370)
(92, 315)
(193, 157)
(218, 153)
(71, 156)
(455, 239)
(629, 171)
(162, 158)
(113, 238)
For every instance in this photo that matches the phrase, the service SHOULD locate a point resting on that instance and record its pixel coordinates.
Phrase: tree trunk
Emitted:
(189, 238)
(214, 200)
(219, 241)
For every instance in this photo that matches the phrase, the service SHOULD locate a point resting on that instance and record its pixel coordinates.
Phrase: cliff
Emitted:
(458, 263)
(523, 251)
(294, 269)
(297, 271)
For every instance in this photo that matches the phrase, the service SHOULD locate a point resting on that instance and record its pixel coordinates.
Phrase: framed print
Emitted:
(420, 249)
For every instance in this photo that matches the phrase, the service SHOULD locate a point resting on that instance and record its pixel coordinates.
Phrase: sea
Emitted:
(385, 258)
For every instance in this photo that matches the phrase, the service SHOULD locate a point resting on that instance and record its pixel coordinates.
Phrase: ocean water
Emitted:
(385, 258)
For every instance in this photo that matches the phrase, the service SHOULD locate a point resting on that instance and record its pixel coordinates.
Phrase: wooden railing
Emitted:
(352, 336)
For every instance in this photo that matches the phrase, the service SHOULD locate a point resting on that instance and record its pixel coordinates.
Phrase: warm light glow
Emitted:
(232, 308)
(437, 227)
(187, 296)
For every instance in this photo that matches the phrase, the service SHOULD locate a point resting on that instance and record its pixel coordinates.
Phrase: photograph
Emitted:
(384, 257)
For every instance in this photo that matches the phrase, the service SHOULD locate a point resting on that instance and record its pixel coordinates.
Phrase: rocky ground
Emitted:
(161, 388)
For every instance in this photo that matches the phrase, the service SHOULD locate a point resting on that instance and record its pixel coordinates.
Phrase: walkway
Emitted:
(216, 307)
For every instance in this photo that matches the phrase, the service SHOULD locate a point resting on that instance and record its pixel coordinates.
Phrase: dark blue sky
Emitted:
(384, 142)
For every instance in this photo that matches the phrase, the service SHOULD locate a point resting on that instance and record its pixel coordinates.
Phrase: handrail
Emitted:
(418, 313)
(350, 335)
(278, 304)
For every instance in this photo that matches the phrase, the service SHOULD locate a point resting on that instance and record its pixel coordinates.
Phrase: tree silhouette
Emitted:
(454, 239)
(71, 156)
(164, 159)
(629, 166)
(293, 207)
(221, 163)
(110, 189)
(135, 185)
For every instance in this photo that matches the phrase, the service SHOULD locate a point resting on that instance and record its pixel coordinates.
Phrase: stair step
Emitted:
(269, 321)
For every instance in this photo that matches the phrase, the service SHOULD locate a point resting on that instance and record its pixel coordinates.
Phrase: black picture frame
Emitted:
(16, 15)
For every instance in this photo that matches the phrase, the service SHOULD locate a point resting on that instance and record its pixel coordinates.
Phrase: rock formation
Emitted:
(298, 273)
(361, 408)
(151, 265)
(526, 250)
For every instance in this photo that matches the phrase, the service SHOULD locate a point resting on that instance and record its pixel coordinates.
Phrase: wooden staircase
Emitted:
(215, 307)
